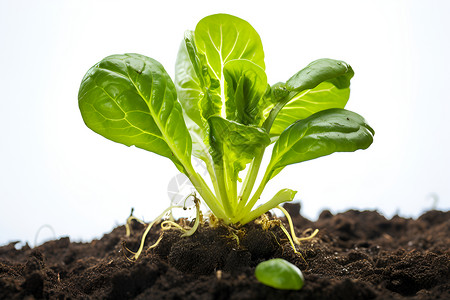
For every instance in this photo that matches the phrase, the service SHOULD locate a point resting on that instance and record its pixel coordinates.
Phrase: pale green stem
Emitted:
(256, 195)
(231, 188)
(220, 176)
(205, 192)
(244, 212)
(246, 179)
(273, 203)
(267, 125)
(212, 175)
(250, 180)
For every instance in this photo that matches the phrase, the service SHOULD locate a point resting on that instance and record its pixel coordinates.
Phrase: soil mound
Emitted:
(356, 255)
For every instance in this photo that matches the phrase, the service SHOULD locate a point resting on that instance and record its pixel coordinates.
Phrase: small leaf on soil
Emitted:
(279, 274)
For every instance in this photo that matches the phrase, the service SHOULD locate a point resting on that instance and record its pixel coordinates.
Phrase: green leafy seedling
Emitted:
(222, 110)
(279, 274)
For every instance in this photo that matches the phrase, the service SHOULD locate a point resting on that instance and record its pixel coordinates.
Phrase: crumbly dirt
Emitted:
(356, 255)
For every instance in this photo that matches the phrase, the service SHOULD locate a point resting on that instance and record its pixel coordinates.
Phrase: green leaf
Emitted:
(130, 99)
(200, 145)
(246, 85)
(278, 92)
(223, 37)
(188, 79)
(219, 39)
(198, 93)
(234, 145)
(284, 195)
(323, 133)
(323, 84)
(191, 49)
(211, 104)
(325, 69)
(324, 96)
(280, 274)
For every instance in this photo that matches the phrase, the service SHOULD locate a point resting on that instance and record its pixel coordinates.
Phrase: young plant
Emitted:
(222, 110)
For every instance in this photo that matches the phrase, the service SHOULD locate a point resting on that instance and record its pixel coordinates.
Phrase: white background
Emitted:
(55, 171)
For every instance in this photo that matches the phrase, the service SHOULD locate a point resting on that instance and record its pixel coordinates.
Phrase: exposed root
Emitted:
(234, 234)
(127, 224)
(234, 237)
(297, 240)
(165, 225)
(198, 218)
(266, 224)
(135, 255)
(39, 231)
(157, 242)
(315, 232)
(141, 247)
(125, 250)
(213, 221)
(264, 221)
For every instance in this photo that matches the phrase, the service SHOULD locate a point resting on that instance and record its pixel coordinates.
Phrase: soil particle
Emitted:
(356, 255)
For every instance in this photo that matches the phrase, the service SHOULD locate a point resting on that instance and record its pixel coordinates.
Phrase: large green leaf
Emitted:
(223, 37)
(188, 79)
(246, 85)
(323, 84)
(323, 133)
(198, 93)
(234, 145)
(191, 88)
(220, 38)
(324, 96)
(318, 71)
(130, 99)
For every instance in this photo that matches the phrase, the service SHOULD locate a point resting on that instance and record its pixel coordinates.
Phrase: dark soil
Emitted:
(356, 255)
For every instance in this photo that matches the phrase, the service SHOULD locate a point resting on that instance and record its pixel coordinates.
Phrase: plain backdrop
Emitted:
(57, 173)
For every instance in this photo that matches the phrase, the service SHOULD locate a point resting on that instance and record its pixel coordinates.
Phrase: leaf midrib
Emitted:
(174, 150)
(125, 113)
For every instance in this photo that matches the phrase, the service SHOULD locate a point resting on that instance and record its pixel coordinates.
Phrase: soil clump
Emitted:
(356, 255)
